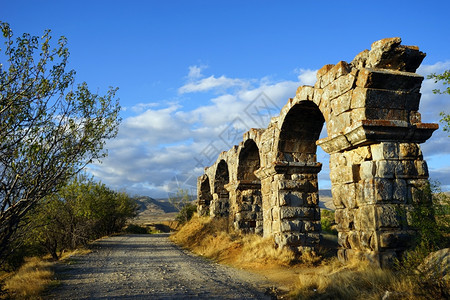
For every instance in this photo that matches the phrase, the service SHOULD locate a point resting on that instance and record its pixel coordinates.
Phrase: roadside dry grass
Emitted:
(307, 277)
(30, 280)
(210, 238)
(355, 280)
(34, 276)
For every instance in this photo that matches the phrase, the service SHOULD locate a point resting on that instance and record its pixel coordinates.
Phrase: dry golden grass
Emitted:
(30, 280)
(68, 254)
(307, 276)
(355, 280)
(211, 238)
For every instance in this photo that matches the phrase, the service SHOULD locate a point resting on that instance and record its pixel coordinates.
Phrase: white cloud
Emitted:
(210, 83)
(306, 76)
(195, 72)
(160, 146)
(140, 107)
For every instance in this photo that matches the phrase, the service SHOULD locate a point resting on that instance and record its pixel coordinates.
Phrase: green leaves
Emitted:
(49, 130)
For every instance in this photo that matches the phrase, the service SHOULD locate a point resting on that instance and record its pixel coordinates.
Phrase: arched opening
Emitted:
(221, 195)
(296, 217)
(248, 162)
(204, 196)
(299, 133)
(248, 216)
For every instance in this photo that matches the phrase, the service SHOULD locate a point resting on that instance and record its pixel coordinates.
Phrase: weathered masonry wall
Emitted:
(268, 183)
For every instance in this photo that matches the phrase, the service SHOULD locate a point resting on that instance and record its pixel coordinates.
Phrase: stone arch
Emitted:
(292, 212)
(248, 161)
(370, 107)
(221, 202)
(246, 192)
(204, 195)
(300, 129)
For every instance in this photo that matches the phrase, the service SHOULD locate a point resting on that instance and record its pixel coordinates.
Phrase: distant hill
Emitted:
(326, 200)
(148, 203)
(325, 193)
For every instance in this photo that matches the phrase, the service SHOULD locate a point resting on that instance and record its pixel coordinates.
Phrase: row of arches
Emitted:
(268, 184)
(239, 196)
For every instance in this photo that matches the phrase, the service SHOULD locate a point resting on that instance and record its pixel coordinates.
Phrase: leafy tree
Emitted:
(81, 211)
(49, 129)
(445, 78)
(182, 202)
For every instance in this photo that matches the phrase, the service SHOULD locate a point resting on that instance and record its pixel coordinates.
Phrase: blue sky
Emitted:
(186, 69)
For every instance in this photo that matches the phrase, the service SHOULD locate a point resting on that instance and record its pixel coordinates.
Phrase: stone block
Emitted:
(305, 93)
(318, 101)
(357, 219)
(400, 192)
(292, 225)
(384, 189)
(368, 193)
(344, 219)
(311, 226)
(336, 190)
(338, 87)
(384, 151)
(418, 191)
(354, 240)
(341, 104)
(360, 59)
(359, 193)
(312, 199)
(415, 117)
(388, 216)
(343, 240)
(367, 217)
(406, 169)
(275, 213)
(396, 239)
(422, 168)
(386, 168)
(385, 99)
(322, 71)
(409, 151)
(291, 198)
(340, 69)
(389, 80)
(297, 212)
(412, 101)
(312, 239)
(383, 114)
(366, 240)
(389, 54)
(348, 195)
(367, 170)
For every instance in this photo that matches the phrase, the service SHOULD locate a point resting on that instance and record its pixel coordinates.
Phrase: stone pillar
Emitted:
(204, 196)
(373, 190)
(246, 212)
(290, 204)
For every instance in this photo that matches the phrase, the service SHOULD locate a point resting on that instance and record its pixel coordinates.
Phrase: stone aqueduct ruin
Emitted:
(268, 183)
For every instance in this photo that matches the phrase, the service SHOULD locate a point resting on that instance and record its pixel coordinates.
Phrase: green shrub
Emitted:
(186, 213)
(327, 221)
(136, 229)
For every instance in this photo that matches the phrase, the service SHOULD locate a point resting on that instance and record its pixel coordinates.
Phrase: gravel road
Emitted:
(151, 267)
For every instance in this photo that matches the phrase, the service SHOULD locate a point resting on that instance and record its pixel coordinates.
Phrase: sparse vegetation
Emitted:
(30, 280)
(183, 203)
(211, 238)
(136, 229)
(327, 221)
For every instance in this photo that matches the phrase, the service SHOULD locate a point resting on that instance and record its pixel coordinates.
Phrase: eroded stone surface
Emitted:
(268, 183)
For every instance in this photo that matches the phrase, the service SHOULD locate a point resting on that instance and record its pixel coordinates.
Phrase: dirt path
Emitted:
(151, 267)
